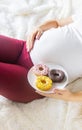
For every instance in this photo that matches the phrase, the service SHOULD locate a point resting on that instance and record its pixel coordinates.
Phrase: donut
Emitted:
(43, 83)
(40, 69)
(56, 75)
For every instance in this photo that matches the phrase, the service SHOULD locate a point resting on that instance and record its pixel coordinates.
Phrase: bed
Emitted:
(17, 19)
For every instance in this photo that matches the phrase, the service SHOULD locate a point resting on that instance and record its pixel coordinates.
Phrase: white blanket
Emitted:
(17, 19)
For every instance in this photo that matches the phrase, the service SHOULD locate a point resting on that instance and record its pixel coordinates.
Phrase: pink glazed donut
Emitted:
(40, 69)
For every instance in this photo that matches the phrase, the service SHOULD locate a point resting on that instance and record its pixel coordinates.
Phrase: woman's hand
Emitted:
(35, 35)
(62, 94)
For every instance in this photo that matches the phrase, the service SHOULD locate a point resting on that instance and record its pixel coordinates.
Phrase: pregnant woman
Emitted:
(58, 42)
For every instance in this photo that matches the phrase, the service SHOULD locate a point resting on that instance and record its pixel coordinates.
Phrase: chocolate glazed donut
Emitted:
(56, 75)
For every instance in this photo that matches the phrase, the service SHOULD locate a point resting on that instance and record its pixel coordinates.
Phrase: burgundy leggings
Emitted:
(14, 65)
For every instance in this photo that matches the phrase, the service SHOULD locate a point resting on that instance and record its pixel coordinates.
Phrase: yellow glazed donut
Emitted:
(43, 83)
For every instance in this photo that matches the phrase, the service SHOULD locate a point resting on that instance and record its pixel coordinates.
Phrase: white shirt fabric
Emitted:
(61, 46)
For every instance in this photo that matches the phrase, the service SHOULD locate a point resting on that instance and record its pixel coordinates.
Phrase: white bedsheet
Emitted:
(17, 19)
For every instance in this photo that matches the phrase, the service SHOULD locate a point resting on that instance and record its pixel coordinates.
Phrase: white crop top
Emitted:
(61, 46)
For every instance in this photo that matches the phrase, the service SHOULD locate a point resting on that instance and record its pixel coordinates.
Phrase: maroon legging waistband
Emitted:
(15, 63)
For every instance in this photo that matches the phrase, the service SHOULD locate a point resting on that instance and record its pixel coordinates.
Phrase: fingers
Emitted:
(34, 36)
(39, 33)
(52, 94)
(31, 40)
(60, 91)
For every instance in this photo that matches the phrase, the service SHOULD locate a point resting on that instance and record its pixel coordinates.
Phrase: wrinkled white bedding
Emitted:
(17, 19)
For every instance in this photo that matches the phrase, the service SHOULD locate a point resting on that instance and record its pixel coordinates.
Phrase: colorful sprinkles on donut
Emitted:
(40, 69)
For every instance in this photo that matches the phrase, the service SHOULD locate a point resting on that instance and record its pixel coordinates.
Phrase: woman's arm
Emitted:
(77, 96)
(55, 23)
(36, 34)
(65, 21)
(65, 95)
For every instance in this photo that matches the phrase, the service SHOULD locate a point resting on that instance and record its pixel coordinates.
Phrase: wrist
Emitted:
(72, 97)
(76, 96)
(48, 25)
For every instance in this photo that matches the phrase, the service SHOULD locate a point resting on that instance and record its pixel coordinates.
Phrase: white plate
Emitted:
(32, 78)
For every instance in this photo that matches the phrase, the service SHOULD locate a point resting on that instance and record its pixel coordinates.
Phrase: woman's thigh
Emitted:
(14, 84)
(14, 51)
(10, 49)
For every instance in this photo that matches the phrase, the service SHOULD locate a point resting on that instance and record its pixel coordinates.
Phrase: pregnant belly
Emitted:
(47, 48)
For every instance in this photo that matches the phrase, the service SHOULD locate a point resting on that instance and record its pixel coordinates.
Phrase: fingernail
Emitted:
(37, 38)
